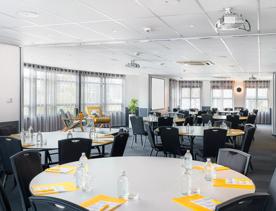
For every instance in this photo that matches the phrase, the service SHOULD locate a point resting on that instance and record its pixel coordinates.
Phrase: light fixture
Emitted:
(27, 14)
(133, 64)
(232, 21)
(239, 89)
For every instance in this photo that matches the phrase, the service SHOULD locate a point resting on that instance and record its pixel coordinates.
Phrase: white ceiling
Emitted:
(104, 35)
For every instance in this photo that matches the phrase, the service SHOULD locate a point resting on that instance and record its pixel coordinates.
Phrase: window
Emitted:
(222, 98)
(114, 94)
(190, 98)
(257, 98)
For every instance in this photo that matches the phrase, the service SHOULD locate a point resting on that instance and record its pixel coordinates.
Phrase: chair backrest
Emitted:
(26, 165)
(219, 123)
(137, 123)
(45, 203)
(70, 150)
(251, 119)
(213, 140)
(247, 138)
(272, 192)
(165, 121)
(234, 159)
(250, 202)
(206, 118)
(151, 136)
(8, 147)
(255, 111)
(4, 202)
(90, 109)
(119, 144)
(244, 112)
(170, 140)
(189, 120)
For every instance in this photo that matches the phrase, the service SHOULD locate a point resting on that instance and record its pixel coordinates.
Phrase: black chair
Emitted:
(165, 121)
(70, 150)
(219, 123)
(214, 110)
(206, 118)
(255, 111)
(46, 203)
(244, 112)
(235, 122)
(213, 140)
(26, 165)
(4, 202)
(8, 147)
(251, 119)
(189, 120)
(272, 191)
(170, 141)
(151, 137)
(248, 138)
(119, 144)
(137, 123)
(250, 202)
(234, 159)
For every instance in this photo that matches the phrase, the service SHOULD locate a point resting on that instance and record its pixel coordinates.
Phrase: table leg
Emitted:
(103, 150)
(192, 145)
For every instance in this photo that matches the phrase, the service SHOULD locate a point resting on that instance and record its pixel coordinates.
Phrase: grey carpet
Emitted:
(263, 151)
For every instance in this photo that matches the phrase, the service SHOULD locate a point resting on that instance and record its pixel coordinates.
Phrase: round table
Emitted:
(156, 179)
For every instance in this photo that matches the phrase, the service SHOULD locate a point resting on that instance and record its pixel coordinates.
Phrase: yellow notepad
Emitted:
(65, 169)
(217, 168)
(103, 203)
(242, 183)
(46, 189)
(197, 202)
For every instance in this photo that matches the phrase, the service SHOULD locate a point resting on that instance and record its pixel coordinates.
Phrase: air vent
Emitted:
(221, 77)
(196, 63)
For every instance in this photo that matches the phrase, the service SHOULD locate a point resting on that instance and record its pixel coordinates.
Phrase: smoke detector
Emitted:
(232, 21)
(147, 29)
(133, 64)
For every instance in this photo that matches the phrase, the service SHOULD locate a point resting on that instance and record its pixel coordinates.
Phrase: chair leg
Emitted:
(5, 180)
(14, 182)
(141, 140)
(151, 152)
(250, 165)
(156, 153)
(133, 137)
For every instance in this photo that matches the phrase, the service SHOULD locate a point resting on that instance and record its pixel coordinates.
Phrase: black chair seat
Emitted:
(159, 147)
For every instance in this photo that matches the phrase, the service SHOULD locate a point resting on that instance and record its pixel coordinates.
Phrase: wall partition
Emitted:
(49, 89)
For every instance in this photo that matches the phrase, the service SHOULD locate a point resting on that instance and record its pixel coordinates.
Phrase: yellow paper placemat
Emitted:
(103, 203)
(196, 202)
(242, 183)
(65, 169)
(217, 168)
(46, 189)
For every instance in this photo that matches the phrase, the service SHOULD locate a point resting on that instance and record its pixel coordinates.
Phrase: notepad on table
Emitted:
(64, 169)
(197, 202)
(217, 168)
(102, 203)
(243, 183)
(46, 189)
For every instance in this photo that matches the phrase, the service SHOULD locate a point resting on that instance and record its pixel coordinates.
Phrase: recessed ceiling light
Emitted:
(147, 29)
(191, 26)
(114, 31)
(27, 14)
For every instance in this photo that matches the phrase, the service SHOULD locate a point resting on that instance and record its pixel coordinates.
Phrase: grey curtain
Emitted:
(174, 94)
(221, 84)
(264, 116)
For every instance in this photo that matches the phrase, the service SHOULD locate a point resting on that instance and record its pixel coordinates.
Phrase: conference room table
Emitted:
(198, 131)
(154, 119)
(102, 137)
(224, 117)
(156, 181)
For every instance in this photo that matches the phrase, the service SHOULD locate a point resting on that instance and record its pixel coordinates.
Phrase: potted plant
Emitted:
(132, 108)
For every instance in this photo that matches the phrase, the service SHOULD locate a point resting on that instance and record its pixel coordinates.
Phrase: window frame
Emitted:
(190, 98)
(257, 98)
(221, 98)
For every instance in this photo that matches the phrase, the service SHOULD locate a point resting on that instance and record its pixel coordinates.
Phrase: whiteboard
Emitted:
(157, 93)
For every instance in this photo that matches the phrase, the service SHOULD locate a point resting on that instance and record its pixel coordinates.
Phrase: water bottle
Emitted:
(23, 137)
(69, 134)
(84, 162)
(188, 128)
(78, 175)
(31, 133)
(186, 183)
(209, 124)
(224, 126)
(209, 170)
(123, 186)
(39, 139)
(188, 161)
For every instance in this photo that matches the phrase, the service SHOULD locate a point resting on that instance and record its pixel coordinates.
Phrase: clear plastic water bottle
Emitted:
(186, 183)
(69, 134)
(188, 128)
(209, 124)
(123, 186)
(39, 139)
(84, 161)
(209, 170)
(31, 133)
(78, 175)
(224, 126)
(188, 161)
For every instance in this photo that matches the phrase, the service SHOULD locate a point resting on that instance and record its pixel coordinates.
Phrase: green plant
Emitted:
(133, 106)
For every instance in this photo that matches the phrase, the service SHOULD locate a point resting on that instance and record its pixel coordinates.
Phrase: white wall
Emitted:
(9, 83)
(239, 97)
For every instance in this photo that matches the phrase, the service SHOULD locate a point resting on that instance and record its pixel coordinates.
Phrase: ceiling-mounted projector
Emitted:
(133, 64)
(232, 21)
(252, 78)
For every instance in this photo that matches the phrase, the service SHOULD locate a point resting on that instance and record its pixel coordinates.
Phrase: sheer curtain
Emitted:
(190, 94)
(46, 91)
(257, 97)
(174, 94)
(222, 94)
(106, 90)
